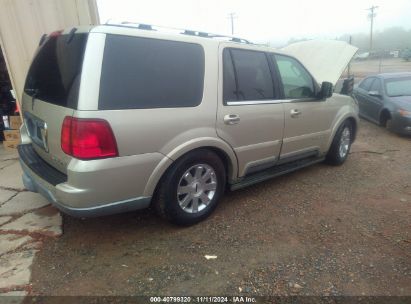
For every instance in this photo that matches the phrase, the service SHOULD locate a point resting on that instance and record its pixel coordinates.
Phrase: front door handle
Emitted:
(295, 113)
(231, 119)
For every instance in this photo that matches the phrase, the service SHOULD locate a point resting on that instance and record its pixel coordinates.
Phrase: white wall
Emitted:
(23, 22)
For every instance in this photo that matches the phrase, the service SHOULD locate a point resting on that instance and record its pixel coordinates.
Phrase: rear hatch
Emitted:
(51, 93)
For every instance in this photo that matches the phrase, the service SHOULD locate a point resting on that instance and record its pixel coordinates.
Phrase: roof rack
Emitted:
(150, 27)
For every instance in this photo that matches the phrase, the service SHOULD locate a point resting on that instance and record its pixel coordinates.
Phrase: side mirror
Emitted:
(326, 90)
(374, 93)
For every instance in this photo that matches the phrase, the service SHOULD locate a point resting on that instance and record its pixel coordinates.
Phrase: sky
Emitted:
(262, 20)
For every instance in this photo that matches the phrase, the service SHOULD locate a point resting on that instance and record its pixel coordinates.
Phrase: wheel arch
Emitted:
(222, 149)
(354, 124)
(352, 119)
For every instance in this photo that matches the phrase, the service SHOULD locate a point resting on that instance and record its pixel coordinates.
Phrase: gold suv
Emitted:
(121, 117)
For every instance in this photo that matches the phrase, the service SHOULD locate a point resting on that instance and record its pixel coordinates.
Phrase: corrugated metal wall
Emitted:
(23, 22)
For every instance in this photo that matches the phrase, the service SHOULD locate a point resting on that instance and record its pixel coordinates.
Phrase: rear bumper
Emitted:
(39, 177)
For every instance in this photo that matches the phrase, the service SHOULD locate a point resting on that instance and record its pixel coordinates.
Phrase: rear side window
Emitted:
(229, 81)
(252, 72)
(54, 75)
(366, 83)
(141, 73)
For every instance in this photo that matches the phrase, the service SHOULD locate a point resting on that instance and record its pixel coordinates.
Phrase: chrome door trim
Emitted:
(257, 102)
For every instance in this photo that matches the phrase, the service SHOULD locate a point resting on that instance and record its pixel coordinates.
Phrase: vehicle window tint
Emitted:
(54, 75)
(253, 75)
(229, 84)
(297, 82)
(366, 83)
(140, 73)
(376, 86)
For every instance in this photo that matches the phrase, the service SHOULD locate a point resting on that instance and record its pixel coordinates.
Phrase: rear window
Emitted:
(54, 75)
(141, 73)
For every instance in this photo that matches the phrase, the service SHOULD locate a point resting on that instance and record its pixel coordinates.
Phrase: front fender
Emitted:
(345, 112)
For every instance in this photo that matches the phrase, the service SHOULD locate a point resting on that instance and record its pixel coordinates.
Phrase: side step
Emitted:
(275, 171)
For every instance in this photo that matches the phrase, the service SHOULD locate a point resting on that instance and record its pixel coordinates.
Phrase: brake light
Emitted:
(86, 139)
(56, 33)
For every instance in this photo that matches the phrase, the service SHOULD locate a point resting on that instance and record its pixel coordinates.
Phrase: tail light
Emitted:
(87, 139)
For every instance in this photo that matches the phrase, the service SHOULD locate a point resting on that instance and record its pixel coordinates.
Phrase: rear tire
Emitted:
(190, 190)
(340, 147)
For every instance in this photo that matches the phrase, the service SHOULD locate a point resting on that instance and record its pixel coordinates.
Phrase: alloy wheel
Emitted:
(196, 188)
(345, 142)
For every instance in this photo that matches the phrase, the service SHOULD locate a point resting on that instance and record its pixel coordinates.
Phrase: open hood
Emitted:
(325, 59)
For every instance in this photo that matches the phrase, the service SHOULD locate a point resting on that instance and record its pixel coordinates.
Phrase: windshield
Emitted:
(54, 75)
(398, 86)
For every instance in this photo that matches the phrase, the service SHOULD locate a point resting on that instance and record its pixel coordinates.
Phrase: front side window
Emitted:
(366, 83)
(376, 86)
(247, 76)
(297, 82)
(143, 73)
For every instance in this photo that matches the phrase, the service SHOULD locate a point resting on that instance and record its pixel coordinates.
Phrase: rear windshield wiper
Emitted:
(33, 93)
(71, 35)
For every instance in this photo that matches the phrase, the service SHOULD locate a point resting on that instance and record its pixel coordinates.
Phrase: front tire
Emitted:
(190, 190)
(341, 145)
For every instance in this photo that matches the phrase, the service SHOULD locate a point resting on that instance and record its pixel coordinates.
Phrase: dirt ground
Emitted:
(320, 231)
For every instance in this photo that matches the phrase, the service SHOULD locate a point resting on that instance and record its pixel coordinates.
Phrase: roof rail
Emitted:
(150, 27)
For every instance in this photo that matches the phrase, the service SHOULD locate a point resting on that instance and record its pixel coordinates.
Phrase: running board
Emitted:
(275, 171)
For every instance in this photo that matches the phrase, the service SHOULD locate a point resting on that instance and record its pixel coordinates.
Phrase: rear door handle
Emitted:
(295, 113)
(231, 119)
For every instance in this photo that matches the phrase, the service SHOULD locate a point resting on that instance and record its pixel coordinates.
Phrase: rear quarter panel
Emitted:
(140, 131)
(168, 131)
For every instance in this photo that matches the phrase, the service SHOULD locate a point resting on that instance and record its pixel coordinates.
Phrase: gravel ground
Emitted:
(320, 231)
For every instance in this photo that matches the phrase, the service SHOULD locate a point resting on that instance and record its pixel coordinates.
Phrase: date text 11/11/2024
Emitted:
(203, 299)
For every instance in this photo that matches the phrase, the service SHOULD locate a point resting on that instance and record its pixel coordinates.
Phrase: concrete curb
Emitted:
(26, 222)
